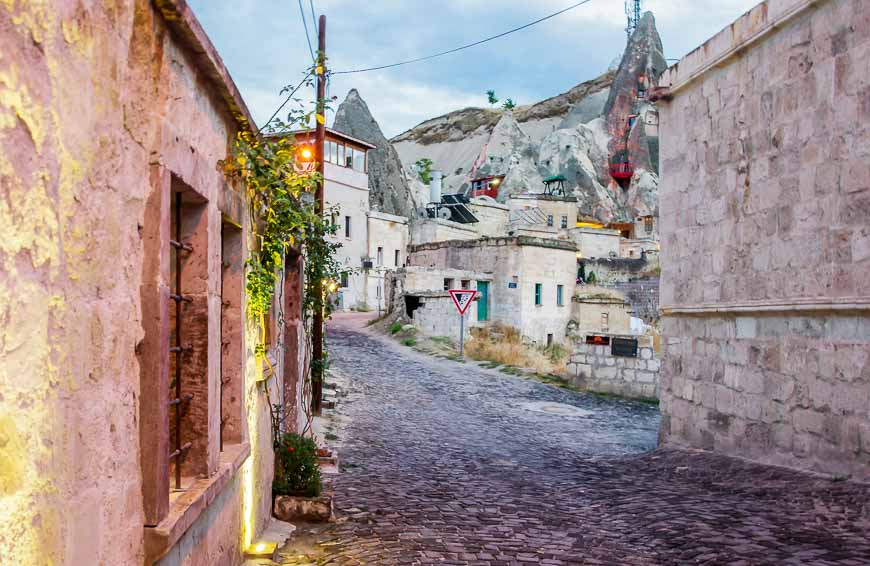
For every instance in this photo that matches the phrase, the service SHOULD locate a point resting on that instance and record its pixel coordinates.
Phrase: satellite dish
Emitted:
(444, 213)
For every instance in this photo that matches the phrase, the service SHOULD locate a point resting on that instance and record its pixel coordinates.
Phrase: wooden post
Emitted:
(317, 330)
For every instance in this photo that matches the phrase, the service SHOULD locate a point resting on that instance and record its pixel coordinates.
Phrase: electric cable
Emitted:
(314, 18)
(305, 25)
(286, 100)
(460, 48)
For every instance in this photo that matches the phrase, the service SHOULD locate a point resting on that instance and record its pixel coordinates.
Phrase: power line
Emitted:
(313, 17)
(454, 50)
(305, 25)
(286, 100)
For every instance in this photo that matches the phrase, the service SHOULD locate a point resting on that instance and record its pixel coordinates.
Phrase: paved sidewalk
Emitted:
(445, 463)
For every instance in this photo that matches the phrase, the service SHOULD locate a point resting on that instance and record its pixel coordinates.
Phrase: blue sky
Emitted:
(263, 44)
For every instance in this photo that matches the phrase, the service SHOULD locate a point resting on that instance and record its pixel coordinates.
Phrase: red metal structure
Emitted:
(486, 186)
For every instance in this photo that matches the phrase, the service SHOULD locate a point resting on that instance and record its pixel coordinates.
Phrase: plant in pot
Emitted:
(297, 486)
(296, 470)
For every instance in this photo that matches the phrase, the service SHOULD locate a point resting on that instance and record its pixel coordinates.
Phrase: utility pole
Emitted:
(317, 368)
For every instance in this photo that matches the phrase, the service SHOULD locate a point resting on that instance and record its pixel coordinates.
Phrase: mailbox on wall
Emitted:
(623, 347)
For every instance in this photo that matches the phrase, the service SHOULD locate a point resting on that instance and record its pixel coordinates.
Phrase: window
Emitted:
(348, 157)
(559, 295)
(549, 340)
(396, 261)
(465, 284)
(538, 288)
(380, 255)
(359, 160)
(549, 220)
(339, 156)
(448, 283)
(648, 224)
(564, 222)
(347, 226)
(345, 280)
(605, 321)
(331, 151)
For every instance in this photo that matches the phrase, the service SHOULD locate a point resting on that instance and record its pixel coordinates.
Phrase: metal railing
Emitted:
(180, 400)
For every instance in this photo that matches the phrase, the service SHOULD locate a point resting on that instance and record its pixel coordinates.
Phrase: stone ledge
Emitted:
(785, 305)
(189, 506)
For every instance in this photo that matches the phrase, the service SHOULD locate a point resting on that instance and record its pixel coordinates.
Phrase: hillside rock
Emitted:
(456, 140)
(390, 191)
(508, 151)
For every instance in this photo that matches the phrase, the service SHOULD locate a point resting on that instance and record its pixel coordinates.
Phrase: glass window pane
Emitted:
(340, 158)
(359, 160)
(348, 160)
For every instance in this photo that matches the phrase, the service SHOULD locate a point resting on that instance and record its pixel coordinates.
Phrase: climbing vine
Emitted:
(280, 180)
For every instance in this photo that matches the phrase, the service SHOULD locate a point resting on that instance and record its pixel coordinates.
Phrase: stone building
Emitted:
(523, 282)
(765, 239)
(115, 217)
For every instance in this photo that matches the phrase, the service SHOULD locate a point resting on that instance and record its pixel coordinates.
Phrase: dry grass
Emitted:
(504, 345)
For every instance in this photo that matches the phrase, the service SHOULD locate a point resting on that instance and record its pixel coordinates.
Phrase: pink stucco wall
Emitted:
(98, 102)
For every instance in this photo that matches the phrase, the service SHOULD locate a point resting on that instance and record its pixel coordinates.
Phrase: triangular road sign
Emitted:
(462, 298)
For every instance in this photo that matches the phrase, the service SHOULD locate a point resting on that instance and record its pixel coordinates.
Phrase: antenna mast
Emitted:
(633, 11)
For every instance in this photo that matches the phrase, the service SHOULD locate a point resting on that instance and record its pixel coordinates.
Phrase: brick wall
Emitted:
(765, 200)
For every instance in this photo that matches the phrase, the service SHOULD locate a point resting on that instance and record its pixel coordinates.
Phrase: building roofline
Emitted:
(186, 29)
(332, 131)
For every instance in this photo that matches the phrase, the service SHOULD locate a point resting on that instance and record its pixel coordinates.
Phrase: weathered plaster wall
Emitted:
(492, 216)
(438, 230)
(97, 104)
(596, 242)
(591, 302)
(766, 242)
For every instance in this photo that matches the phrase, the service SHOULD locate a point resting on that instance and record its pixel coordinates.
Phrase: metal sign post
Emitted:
(462, 298)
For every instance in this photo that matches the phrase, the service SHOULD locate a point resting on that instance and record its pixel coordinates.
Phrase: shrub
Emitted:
(410, 342)
(296, 469)
(395, 327)
(504, 345)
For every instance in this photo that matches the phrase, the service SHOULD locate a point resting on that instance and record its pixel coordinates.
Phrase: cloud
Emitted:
(264, 46)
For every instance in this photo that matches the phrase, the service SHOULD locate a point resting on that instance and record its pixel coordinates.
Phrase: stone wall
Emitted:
(765, 239)
(437, 316)
(594, 368)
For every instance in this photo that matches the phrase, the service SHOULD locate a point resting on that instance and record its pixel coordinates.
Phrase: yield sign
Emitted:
(462, 298)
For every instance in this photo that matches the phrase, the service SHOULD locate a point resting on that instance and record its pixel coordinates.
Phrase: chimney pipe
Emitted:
(435, 187)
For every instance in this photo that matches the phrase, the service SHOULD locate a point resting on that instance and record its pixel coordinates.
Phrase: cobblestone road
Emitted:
(445, 463)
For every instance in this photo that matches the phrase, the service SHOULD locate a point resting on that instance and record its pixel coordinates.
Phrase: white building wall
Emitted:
(347, 191)
(549, 267)
(513, 266)
(389, 233)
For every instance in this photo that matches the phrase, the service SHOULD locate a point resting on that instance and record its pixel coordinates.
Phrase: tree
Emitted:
(424, 168)
(490, 94)
(509, 104)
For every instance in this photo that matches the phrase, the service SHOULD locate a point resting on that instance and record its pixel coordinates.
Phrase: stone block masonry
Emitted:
(596, 369)
(765, 200)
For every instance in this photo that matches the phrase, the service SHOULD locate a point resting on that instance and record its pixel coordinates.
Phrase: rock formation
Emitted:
(390, 190)
(579, 134)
